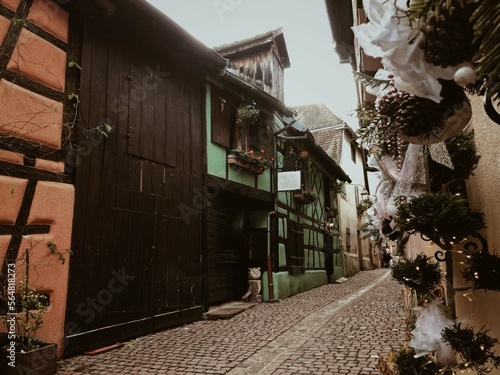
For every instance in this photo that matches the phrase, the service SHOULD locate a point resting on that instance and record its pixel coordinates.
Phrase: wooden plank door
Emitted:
(137, 260)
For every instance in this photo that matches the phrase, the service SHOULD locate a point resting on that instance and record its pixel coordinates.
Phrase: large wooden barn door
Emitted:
(136, 264)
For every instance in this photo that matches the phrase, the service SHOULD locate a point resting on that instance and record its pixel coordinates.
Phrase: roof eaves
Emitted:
(169, 28)
(338, 171)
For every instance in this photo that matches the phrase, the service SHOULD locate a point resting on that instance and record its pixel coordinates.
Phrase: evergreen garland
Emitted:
(420, 274)
(473, 347)
(405, 363)
(483, 269)
(442, 218)
(485, 22)
(370, 81)
(401, 244)
(377, 129)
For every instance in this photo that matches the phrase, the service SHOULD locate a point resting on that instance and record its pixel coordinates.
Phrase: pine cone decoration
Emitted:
(421, 117)
(448, 34)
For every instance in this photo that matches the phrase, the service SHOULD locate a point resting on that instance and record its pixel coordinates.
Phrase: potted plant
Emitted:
(364, 205)
(21, 351)
(305, 196)
(251, 160)
(303, 162)
(247, 113)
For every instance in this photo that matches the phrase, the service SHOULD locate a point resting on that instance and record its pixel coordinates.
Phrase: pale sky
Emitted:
(315, 75)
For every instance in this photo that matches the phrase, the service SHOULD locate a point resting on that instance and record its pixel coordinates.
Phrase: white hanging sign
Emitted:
(289, 180)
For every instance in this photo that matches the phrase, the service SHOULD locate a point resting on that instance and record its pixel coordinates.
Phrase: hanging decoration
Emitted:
(426, 337)
(423, 121)
(448, 36)
(433, 52)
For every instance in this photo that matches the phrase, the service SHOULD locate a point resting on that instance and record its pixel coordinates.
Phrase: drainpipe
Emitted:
(270, 259)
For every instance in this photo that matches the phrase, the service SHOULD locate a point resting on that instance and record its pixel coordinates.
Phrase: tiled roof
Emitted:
(326, 127)
(330, 140)
(317, 116)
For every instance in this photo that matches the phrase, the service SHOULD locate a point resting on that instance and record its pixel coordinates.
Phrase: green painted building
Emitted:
(269, 189)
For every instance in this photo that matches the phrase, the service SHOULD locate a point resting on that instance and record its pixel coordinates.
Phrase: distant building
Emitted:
(339, 141)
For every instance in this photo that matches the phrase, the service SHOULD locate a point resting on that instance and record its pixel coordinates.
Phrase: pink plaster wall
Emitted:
(50, 17)
(39, 60)
(11, 196)
(11, 4)
(30, 116)
(11, 157)
(49, 165)
(4, 26)
(52, 204)
(33, 117)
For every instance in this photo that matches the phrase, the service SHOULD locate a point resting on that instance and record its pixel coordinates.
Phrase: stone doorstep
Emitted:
(227, 310)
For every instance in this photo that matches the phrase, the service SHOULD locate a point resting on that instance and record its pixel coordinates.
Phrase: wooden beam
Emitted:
(31, 173)
(29, 229)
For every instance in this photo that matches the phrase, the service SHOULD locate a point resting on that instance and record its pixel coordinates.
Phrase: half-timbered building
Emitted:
(118, 132)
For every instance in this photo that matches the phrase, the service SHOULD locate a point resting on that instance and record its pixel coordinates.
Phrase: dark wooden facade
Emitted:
(137, 263)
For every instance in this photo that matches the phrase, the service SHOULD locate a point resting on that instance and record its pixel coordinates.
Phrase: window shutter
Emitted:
(221, 119)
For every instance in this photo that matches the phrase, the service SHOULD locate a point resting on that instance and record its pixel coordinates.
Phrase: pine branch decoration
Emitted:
(464, 157)
(488, 38)
(483, 269)
(420, 274)
(370, 81)
(376, 128)
(443, 219)
(406, 363)
(473, 347)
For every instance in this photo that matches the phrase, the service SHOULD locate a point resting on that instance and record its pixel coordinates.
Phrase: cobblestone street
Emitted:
(334, 329)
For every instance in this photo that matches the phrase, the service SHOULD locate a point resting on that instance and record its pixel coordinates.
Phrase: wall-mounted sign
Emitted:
(289, 180)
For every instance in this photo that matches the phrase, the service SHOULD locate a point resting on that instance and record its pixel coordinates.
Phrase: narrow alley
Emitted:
(333, 329)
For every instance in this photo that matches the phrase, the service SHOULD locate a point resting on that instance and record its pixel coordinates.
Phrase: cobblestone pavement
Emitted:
(333, 329)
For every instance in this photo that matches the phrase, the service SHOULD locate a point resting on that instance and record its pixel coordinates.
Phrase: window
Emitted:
(227, 133)
(295, 248)
(223, 115)
(348, 239)
(353, 151)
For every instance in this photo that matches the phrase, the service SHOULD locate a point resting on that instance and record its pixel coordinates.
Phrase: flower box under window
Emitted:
(250, 160)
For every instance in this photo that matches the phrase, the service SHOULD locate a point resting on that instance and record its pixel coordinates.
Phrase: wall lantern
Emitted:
(365, 194)
(330, 227)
